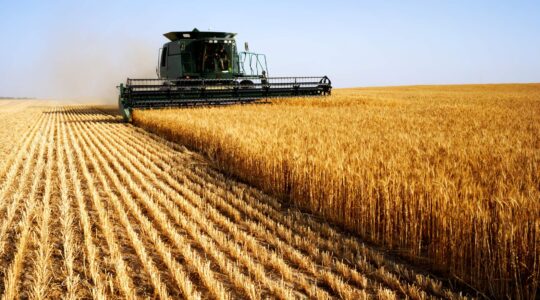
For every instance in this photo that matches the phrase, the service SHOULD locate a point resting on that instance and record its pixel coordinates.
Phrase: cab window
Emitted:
(164, 57)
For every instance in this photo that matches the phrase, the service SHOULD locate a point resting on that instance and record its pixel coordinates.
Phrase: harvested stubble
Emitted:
(447, 174)
(94, 208)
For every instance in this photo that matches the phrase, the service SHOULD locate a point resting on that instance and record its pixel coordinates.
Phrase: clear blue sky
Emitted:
(84, 48)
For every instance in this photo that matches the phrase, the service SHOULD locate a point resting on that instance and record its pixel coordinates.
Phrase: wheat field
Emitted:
(91, 207)
(447, 176)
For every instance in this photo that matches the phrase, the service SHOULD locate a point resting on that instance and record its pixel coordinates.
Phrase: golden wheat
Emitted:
(16, 268)
(447, 174)
(69, 245)
(94, 208)
(91, 253)
(42, 269)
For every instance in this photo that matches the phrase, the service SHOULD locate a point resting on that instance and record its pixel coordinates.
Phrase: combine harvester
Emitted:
(205, 68)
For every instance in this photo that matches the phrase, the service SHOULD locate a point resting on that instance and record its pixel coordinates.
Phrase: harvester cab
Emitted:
(205, 68)
(198, 54)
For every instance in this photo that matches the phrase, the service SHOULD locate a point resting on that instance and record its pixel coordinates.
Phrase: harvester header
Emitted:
(205, 68)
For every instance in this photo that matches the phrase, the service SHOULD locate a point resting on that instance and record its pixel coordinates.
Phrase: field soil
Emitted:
(91, 207)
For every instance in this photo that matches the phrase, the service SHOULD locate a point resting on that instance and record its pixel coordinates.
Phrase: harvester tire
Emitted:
(246, 84)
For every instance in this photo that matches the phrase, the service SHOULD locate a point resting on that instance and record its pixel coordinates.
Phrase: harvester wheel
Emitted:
(246, 84)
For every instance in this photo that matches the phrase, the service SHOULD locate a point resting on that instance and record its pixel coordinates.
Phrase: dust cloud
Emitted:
(86, 67)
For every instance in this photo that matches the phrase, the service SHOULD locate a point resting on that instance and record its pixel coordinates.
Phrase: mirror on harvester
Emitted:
(246, 47)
